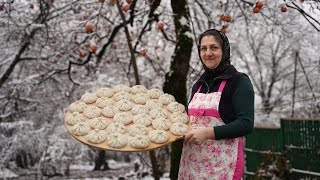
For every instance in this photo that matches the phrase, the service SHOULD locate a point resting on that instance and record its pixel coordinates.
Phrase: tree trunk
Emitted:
(175, 82)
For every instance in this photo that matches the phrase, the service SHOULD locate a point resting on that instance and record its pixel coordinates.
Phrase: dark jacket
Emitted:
(236, 106)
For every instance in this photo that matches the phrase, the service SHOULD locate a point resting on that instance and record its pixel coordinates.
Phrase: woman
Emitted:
(221, 111)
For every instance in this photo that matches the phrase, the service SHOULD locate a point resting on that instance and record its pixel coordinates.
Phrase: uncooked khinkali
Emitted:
(105, 92)
(123, 117)
(179, 117)
(161, 124)
(103, 102)
(110, 111)
(73, 118)
(97, 136)
(155, 93)
(139, 142)
(124, 105)
(158, 112)
(77, 106)
(122, 95)
(153, 103)
(140, 98)
(99, 123)
(116, 128)
(179, 129)
(139, 109)
(89, 98)
(137, 129)
(166, 99)
(80, 129)
(159, 136)
(92, 112)
(117, 140)
(143, 119)
(176, 107)
(138, 89)
(121, 87)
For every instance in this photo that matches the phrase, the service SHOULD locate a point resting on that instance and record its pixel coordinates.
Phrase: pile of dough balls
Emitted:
(127, 117)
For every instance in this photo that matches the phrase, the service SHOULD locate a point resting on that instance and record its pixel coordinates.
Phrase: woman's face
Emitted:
(210, 52)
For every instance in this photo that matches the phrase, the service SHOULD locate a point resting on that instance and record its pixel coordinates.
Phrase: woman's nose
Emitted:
(209, 52)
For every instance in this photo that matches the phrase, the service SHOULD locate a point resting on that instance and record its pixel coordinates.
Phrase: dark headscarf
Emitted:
(224, 42)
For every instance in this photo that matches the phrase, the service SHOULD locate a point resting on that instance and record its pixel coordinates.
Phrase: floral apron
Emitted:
(213, 159)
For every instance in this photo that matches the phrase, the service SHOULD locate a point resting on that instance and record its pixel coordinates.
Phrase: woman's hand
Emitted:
(199, 136)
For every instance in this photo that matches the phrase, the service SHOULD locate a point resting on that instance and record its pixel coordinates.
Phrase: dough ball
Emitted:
(110, 111)
(179, 117)
(73, 118)
(137, 129)
(103, 102)
(155, 93)
(89, 98)
(161, 124)
(116, 127)
(80, 129)
(99, 123)
(124, 105)
(158, 112)
(122, 95)
(166, 99)
(140, 98)
(176, 107)
(105, 92)
(139, 142)
(179, 129)
(153, 104)
(77, 106)
(92, 112)
(138, 89)
(139, 109)
(159, 136)
(97, 136)
(143, 119)
(121, 87)
(117, 140)
(123, 117)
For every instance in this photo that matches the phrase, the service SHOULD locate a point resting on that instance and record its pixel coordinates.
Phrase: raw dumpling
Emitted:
(121, 87)
(179, 129)
(77, 106)
(161, 124)
(97, 136)
(155, 93)
(139, 109)
(123, 117)
(143, 119)
(179, 117)
(122, 95)
(166, 98)
(80, 129)
(176, 107)
(73, 118)
(99, 123)
(140, 98)
(138, 89)
(105, 92)
(117, 140)
(110, 111)
(103, 102)
(116, 128)
(140, 142)
(137, 129)
(89, 98)
(159, 136)
(92, 112)
(158, 112)
(153, 103)
(124, 105)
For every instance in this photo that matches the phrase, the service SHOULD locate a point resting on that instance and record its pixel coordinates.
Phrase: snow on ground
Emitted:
(6, 173)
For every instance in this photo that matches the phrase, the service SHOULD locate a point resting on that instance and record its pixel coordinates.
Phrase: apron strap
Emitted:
(199, 88)
(222, 84)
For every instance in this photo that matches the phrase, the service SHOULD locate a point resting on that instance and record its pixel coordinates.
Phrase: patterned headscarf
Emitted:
(224, 42)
